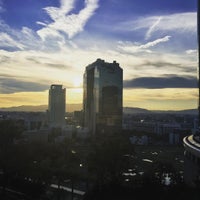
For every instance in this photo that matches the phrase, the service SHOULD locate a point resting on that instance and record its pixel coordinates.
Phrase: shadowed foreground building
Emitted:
(56, 107)
(102, 98)
(192, 142)
(192, 160)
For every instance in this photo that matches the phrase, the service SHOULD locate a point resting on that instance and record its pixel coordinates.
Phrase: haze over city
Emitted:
(51, 42)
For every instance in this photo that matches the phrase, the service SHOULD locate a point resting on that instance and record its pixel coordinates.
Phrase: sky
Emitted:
(44, 42)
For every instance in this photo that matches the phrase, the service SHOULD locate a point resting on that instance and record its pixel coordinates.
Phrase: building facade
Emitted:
(56, 106)
(192, 160)
(102, 98)
(192, 143)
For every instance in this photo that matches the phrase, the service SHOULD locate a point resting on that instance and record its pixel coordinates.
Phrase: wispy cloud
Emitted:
(152, 28)
(70, 24)
(178, 22)
(155, 42)
(7, 42)
(62, 25)
(56, 13)
(132, 48)
(191, 51)
(18, 39)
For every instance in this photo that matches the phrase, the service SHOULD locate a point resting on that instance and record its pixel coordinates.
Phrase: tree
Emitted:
(108, 158)
(10, 131)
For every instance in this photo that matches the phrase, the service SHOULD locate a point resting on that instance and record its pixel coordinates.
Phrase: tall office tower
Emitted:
(102, 98)
(56, 106)
(192, 142)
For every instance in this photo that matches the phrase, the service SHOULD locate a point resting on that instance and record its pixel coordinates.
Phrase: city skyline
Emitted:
(51, 42)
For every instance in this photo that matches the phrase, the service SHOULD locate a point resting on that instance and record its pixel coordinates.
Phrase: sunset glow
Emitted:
(51, 42)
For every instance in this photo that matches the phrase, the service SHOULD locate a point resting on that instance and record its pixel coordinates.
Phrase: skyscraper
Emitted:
(56, 106)
(102, 98)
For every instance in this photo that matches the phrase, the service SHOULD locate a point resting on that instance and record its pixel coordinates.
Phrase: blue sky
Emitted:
(43, 42)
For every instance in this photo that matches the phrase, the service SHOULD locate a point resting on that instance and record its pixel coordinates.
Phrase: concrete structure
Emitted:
(56, 109)
(192, 160)
(102, 99)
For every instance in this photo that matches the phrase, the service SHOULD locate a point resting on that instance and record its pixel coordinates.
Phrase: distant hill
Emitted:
(185, 112)
(76, 107)
(133, 110)
(40, 108)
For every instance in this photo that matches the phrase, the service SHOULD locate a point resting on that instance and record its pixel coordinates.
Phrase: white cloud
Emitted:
(54, 60)
(155, 42)
(152, 28)
(41, 23)
(69, 24)
(24, 38)
(7, 41)
(191, 51)
(56, 13)
(131, 48)
(42, 61)
(63, 67)
(179, 22)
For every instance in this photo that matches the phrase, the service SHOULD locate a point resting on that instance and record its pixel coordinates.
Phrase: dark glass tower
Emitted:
(102, 101)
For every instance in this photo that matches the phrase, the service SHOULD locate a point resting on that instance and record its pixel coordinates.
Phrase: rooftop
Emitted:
(192, 144)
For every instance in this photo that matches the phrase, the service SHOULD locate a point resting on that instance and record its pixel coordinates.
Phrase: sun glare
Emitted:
(77, 82)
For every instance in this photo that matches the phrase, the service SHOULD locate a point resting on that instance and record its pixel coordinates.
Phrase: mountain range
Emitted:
(133, 110)
(77, 107)
(40, 108)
